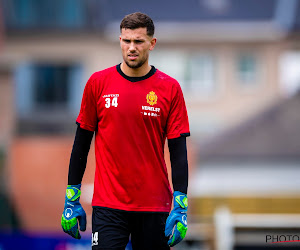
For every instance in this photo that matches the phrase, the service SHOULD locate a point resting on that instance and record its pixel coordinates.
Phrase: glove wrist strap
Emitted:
(73, 192)
(180, 200)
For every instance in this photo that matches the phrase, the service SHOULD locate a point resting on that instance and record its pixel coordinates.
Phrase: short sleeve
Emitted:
(87, 118)
(177, 123)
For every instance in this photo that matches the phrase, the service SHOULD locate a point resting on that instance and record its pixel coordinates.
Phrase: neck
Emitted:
(141, 71)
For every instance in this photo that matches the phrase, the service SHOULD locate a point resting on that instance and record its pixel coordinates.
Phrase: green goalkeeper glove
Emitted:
(73, 211)
(176, 225)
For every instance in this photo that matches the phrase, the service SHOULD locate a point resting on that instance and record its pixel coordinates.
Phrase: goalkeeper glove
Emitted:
(176, 225)
(73, 211)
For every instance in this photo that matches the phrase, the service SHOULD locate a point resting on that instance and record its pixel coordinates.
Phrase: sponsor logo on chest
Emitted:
(150, 110)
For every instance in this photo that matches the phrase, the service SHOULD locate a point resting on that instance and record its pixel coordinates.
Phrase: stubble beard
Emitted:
(135, 65)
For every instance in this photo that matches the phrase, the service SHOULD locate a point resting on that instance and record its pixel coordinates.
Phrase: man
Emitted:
(133, 108)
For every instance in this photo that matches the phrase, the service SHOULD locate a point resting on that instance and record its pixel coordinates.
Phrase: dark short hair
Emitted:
(138, 20)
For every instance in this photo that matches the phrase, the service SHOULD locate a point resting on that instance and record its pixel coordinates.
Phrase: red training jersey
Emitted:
(132, 117)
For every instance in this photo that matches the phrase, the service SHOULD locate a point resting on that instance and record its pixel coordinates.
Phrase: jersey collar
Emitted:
(136, 79)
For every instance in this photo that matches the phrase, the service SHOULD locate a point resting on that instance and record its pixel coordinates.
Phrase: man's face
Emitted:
(135, 45)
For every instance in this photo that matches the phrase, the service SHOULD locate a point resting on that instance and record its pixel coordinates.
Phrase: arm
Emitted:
(179, 163)
(80, 151)
(73, 210)
(176, 224)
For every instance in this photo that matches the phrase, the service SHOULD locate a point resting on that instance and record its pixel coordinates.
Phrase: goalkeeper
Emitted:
(132, 108)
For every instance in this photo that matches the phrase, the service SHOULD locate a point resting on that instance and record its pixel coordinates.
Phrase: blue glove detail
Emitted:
(73, 211)
(176, 225)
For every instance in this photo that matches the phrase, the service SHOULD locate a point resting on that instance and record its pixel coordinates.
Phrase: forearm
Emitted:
(79, 155)
(179, 163)
(176, 224)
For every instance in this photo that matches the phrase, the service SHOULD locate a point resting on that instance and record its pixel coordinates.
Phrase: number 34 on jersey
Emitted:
(111, 100)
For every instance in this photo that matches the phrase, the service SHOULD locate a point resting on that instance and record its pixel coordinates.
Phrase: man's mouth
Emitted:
(132, 56)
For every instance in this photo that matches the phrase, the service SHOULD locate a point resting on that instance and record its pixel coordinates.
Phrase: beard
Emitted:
(135, 64)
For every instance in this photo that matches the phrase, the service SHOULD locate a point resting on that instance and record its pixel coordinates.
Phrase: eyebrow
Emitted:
(135, 40)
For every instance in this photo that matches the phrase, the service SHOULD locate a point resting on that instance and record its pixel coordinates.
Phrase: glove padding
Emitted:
(73, 211)
(176, 225)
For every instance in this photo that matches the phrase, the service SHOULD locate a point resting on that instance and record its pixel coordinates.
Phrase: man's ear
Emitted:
(153, 42)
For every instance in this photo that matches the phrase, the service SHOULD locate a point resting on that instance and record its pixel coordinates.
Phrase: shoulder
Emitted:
(172, 82)
(168, 81)
(102, 74)
(98, 80)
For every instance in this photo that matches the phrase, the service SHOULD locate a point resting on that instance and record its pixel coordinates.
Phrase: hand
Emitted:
(73, 211)
(176, 225)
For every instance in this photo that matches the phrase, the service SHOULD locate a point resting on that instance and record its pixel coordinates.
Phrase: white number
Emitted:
(107, 104)
(96, 236)
(95, 239)
(115, 102)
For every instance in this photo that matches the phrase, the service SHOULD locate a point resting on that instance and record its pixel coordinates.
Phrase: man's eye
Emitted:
(138, 41)
(126, 41)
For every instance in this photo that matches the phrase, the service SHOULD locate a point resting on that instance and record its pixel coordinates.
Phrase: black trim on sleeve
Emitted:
(136, 79)
(185, 134)
(179, 163)
(80, 151)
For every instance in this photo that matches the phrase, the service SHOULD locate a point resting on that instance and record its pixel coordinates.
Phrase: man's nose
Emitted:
(132, 46)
